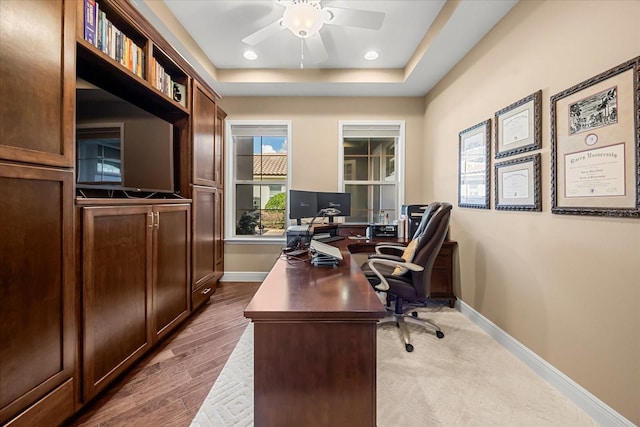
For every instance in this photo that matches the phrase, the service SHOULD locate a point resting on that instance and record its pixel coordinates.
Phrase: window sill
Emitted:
(256, 240)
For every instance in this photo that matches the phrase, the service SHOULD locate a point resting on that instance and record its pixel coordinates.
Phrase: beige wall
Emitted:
(314, 149)
(567, 287)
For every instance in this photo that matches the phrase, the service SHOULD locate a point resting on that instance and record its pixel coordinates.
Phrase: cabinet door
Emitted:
(117, 261)
(203, 241)
(171, 286)
(218, 235)
(37, 65)
(37, 291)
(218, 160)
(204, 120)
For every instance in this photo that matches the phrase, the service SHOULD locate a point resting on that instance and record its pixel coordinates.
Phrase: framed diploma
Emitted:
(473, 166)
(518, 126)
(517, 184)
(595, 145)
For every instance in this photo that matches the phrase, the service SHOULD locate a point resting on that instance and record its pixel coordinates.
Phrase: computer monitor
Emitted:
(302, 204)
(339, 201)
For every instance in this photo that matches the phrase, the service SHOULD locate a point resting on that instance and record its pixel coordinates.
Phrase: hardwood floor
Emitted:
(167, 387)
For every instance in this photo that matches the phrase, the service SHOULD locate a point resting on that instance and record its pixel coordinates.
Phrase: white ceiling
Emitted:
(419, 42)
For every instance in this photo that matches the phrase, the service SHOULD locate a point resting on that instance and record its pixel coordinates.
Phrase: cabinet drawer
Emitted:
(201, 295)
(442, 261)
(352, 230)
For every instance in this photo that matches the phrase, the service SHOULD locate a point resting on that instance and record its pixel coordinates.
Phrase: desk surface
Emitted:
(296, 289)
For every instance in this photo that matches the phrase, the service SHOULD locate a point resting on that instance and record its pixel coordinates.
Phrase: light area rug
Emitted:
(464, 379)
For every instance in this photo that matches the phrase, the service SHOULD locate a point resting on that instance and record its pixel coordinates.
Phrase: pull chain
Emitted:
(301, 53)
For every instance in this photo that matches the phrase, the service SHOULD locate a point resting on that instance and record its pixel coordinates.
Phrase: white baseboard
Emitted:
(597, 409)
(243, 276)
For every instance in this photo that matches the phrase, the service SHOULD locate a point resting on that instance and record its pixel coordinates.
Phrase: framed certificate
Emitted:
(595, 128)
(518, 126)
(473, 166)
(517, 184)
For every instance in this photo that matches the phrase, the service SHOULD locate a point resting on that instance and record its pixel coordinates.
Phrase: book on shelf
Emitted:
(90, 14)
(106, 37)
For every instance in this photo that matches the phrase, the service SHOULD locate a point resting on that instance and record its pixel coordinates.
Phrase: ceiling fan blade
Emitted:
(355, 18)
(264, 33)
(316, 48)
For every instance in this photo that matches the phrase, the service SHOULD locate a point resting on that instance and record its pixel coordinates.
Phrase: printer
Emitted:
(298, 236)
(414, 216)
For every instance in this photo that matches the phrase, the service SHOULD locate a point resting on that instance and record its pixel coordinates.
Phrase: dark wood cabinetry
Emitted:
(116, 288)
(442, 273)
(204, 249)
(207, 194)
(37, 287)
(135, 284)
(37, 293)
(85, 292)
(38, 81)
(172, 267)
(203, 129)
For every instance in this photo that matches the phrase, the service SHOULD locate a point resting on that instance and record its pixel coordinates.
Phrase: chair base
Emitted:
(401, 321)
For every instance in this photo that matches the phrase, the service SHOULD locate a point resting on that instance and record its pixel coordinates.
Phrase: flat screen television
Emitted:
(302, 204)
(337, 203)
(120, 146)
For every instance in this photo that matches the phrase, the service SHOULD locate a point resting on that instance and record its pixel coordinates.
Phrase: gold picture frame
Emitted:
(518, 127)
(595, 145)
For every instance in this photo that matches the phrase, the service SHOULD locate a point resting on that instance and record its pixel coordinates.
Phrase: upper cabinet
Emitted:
(204, 136)
(218, 151)
(38, 81)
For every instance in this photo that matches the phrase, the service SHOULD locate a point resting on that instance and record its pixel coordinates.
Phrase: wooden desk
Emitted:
(315, 345)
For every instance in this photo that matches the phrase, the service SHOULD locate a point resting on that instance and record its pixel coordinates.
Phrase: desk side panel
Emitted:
(315, 373)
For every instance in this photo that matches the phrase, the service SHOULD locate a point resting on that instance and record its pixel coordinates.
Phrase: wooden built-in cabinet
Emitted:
(86, 291)
(37, 294)
(37, 289)
(204, 252)
(135, 284)
(207, 194)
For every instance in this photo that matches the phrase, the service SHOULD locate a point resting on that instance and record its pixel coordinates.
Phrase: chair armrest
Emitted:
(386, 260)
(387, 257)
(395, 247)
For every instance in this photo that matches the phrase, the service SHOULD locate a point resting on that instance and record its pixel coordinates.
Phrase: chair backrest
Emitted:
(428, 248)
(426, 217)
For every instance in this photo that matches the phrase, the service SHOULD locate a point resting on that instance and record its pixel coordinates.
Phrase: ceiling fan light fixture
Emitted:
(303, 18)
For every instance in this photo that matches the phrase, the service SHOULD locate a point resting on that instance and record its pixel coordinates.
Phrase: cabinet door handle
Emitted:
(150, 219)
(157, 219)
(206, 291)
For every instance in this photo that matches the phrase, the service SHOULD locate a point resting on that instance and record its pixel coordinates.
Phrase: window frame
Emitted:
(399, 158)
(230, 179)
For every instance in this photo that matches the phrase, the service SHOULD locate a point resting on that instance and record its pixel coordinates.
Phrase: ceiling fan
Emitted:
(305, 19)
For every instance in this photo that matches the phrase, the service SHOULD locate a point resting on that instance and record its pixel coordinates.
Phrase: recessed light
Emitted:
(250, 55)
(371, 55)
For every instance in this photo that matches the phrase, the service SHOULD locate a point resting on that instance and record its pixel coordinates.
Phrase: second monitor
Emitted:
(334, 204)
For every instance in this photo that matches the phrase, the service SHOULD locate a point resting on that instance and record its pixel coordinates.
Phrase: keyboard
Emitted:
(330, 239)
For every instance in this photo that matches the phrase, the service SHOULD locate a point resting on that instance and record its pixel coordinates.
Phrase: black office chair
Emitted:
(394, 248)
(410, 282)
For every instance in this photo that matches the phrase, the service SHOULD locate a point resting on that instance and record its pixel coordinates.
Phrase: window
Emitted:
(258, 169)
(372, 169)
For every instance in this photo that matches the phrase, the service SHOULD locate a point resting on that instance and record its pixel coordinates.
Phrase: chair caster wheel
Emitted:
(440, 334)
(408, 347)
(414, 313)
